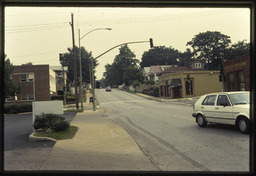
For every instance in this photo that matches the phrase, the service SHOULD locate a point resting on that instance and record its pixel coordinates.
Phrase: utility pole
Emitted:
(74, 57)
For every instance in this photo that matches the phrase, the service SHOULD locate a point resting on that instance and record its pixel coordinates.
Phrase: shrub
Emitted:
(51, 121)
(14, 108)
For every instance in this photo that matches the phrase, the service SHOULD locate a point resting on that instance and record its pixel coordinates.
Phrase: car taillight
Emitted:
(193, 106)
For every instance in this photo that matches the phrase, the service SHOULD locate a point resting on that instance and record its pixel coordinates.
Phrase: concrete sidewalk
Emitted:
(99, 145)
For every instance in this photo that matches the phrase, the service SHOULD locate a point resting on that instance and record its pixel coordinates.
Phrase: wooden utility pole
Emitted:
(74, 57)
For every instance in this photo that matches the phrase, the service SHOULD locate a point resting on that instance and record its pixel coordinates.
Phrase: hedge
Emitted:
(14, 108)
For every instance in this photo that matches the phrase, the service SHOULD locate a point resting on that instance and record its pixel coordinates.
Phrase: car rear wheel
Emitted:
(243, 125)
(201, 121)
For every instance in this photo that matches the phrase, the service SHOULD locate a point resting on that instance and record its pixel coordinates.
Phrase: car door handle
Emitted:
(217, 108)
(202, 107)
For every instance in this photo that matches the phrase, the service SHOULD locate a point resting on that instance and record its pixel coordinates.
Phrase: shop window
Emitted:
(189, 88)
(231, 81)
(241, 80)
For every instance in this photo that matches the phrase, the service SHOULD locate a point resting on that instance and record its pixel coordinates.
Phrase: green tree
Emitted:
(185, 58)
(9, 87)
(159, 55)
(114, 74)
(132, 74)
(241, 48)
(86, 60)
(210, 48)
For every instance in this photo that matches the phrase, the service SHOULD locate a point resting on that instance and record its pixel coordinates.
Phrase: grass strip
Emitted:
(67, 134)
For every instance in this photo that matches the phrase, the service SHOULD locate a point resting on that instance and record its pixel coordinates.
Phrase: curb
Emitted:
(33, 138)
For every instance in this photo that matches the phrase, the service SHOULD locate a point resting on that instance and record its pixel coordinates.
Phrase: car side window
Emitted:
(223, 101)
(209, 100)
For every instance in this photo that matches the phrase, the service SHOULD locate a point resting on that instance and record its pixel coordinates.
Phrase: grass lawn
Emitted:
(67, 134)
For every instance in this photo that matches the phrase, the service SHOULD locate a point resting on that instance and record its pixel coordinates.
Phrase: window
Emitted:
(241, 80)
(198, 65)
(231, 81)
(27, 97)
(223, 101)
(209, 100)
(26, 77)
(23, 77)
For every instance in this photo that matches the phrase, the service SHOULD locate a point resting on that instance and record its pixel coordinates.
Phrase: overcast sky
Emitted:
(38, 35)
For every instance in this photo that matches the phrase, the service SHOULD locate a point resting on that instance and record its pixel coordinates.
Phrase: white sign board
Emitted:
(40, 107)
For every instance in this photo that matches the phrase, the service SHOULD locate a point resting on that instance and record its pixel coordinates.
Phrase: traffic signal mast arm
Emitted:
(150, 40)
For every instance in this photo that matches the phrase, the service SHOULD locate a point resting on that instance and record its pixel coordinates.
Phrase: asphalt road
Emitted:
(167, 133)
(19, 152)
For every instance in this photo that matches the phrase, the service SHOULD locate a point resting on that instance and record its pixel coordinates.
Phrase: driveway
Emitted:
(19, 152)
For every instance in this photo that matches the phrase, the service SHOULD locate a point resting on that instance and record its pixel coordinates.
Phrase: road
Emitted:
(19, 152)
(168, 135)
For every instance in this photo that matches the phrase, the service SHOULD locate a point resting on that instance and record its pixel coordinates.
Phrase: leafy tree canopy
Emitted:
(9, 88)
(124, 63)
(241, 48)
(210, 48)
(86, 60)
(159, 55)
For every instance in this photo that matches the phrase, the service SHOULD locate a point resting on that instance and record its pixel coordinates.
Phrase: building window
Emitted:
(198, 65)
(27, 97)
(189, 88)
(241, 80)
(231, 81)
(26, 77)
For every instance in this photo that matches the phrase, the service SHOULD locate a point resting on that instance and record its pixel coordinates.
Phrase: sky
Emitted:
(39, 34)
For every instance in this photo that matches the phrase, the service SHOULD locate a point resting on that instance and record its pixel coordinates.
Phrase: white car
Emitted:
(224, 107)
(108, 88)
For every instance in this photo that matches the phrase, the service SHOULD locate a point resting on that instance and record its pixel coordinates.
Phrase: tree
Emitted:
(210, 48)
(185, 58)
(123, 62)
(86, 60)
(159, 55)
(241, 48)
(132, 74)
(27, 64)
(9, 88)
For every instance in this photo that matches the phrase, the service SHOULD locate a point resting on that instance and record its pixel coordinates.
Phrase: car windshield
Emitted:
(240, 98)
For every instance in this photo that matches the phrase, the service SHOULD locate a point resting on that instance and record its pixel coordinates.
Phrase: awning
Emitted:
(175, 83)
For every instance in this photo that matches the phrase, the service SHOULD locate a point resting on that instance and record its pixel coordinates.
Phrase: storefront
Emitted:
(237, 74)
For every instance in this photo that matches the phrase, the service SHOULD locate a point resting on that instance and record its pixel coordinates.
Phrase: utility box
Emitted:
(40, 107)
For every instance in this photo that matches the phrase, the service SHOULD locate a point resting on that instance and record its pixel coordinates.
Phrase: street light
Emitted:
(80, 38)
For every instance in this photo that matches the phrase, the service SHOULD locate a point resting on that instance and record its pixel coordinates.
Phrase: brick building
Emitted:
(237, 74)
(37, 82)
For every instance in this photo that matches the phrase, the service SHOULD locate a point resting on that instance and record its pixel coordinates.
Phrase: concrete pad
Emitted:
(99, 144)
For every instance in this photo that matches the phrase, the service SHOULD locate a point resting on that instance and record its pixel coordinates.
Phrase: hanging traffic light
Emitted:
(151, 43)
(61, 57)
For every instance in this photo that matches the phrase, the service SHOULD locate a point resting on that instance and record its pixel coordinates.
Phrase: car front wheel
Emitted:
(201, 121)
(244, 125)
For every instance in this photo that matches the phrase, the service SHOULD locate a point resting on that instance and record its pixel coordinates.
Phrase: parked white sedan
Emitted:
(224, 107)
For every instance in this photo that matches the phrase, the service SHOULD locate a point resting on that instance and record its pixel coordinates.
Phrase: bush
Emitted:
(52, 121)
(14, 108)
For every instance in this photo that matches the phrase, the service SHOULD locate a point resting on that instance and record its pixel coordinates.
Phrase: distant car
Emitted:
(225, 108)
(108, 88)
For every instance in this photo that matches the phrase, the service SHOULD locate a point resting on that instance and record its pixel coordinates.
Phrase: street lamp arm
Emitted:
(118, 46)
(94, 30)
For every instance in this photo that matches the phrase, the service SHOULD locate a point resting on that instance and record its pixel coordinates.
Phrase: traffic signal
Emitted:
(151, 43)
(188, 77)
(61, 57)
(220, 78)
